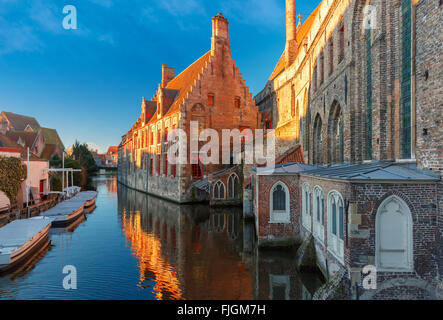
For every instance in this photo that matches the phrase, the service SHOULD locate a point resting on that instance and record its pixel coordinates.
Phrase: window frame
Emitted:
(336, 245)
(287, 211)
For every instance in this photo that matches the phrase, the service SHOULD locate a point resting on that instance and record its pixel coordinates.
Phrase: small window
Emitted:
(159, 164)
(174, 170)
(279, 204)
(151, 166)
(268, 124)
(211, 100)
(237, 102)
(165, 165)
(197, 172)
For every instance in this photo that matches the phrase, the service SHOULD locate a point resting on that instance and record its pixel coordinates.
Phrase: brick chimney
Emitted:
(220, 32)
(291, 32)
(167, 75)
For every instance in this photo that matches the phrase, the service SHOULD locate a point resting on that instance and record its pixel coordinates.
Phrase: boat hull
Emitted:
(71, 218)
(26, 252)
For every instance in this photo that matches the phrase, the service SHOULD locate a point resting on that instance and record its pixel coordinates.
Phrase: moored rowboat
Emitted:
(20, 239)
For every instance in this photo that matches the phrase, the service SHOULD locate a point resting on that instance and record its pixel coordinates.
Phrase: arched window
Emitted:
(318, 140)
(306, 207)
(368, 95)
(233, 184)
(335, 133)
(219, 191)
(279, 204)
(406, 79)
(319, 214)
(393, 231)
(218, 222)
(336, 225)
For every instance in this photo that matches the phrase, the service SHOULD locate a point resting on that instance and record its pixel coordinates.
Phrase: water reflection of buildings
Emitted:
(194, 252)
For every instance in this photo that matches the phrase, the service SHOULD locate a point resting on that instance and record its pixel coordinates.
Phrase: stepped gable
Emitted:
(182, 84)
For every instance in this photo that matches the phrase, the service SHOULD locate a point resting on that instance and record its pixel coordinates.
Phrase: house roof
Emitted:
(20, 122)
(48, 151)
(302, 31)
(8, 143)
(27, 137)
(182, 84)
(51, 137)
(374, 171)
(112, 149)
(289, 168)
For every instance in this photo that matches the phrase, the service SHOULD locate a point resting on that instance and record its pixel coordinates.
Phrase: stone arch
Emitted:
(335, 134)
(318, 140)
(394, 250)
(403, 282)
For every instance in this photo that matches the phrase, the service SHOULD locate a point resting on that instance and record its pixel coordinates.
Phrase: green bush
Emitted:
(12, 174)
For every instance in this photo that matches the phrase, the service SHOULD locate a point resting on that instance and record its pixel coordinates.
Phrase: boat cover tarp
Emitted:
(16, 233)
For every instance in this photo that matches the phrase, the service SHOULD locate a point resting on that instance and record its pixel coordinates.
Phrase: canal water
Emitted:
(134, 246)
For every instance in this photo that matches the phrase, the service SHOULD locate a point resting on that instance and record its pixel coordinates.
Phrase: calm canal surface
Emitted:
(134, 246)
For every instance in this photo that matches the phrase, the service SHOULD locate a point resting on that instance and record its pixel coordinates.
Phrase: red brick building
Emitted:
(211, 91)
(372, 194)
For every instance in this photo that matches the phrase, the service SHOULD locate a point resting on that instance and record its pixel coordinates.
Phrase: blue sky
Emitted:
(88, 83)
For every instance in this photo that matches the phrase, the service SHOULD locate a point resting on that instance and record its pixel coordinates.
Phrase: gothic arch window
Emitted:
(233, 228)
(218, 222)
(319, 214)
(318, 140)
(368, 94)
(393, 232)
(307, 119)
(322, 68)
(293, 114)
(335, 133)
(331, 56)
(219, 191)
(406, 80)
(306, 207)
(336, 225)
(233, 185)
(341, 53)
(279, 204)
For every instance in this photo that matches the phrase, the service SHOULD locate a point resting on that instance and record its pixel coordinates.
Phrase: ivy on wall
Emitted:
(12, 174)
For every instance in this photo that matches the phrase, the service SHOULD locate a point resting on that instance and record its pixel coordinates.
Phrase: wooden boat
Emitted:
(88, 196)
(65, 220)
(20, 240)
(67, 212)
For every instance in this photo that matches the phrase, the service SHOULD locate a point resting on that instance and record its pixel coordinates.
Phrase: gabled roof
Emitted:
(20, 122)
(27, 137)
(51, 137)
(183, 83)
(302, 31)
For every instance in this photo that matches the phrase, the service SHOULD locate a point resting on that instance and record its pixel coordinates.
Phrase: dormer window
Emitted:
(211, 100)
